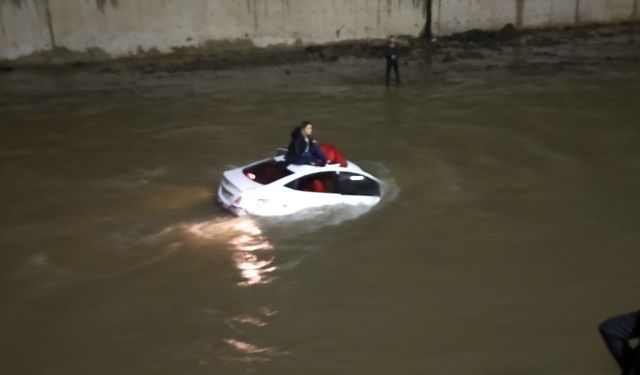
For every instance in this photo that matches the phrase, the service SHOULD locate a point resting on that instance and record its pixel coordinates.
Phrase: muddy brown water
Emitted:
(509, 229)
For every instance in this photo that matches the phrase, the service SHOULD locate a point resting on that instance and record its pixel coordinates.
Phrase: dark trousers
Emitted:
(392, 64)
(617, 332)
(317, 154)
(314, 156)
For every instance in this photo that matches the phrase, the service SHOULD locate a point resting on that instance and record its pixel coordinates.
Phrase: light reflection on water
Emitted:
(253, 253)
(253, 258)
(249, 349)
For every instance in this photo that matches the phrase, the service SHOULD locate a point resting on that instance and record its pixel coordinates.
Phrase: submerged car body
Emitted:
(273, 187)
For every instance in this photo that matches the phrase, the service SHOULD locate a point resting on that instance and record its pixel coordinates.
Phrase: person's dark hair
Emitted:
(304, 123)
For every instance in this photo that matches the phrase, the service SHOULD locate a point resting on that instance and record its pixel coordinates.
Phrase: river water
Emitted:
(509, 227)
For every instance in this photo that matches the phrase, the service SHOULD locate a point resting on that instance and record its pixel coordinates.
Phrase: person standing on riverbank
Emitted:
(391, 52)
(617, 332)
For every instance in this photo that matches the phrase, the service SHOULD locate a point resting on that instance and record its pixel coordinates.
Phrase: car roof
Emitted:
(300, 170)
(304, 169)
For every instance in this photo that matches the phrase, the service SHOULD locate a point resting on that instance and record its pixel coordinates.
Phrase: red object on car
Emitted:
(333, 155)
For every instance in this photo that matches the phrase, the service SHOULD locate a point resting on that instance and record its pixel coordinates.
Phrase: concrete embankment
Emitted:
(50, 32)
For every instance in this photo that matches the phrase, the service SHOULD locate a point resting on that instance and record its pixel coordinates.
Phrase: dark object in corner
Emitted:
(617, 333)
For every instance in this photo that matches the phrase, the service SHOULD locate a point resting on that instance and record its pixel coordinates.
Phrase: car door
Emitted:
(313, 190)
(358, 189)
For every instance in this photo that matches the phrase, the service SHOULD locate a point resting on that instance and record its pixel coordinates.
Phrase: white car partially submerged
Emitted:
(273, 187)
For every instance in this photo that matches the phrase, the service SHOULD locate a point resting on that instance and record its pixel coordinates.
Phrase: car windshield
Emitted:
(267, 172)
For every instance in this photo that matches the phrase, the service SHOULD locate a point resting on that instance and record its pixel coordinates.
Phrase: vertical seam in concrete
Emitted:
(428, 13)
(519, 13)
(635, 9)
(439, 15)
(255, 14)
(3, 31)
(50, 24)
(576, 14)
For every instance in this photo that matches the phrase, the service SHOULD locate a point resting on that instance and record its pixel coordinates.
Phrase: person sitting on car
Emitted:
(303, 148)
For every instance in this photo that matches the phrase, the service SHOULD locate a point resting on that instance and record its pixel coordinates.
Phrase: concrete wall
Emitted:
(450, 16)
(118, 28)
(104, 29)
(24, 28)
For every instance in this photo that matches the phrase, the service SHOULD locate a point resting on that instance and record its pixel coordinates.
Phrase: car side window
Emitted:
(316, 183)
(356, 184)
